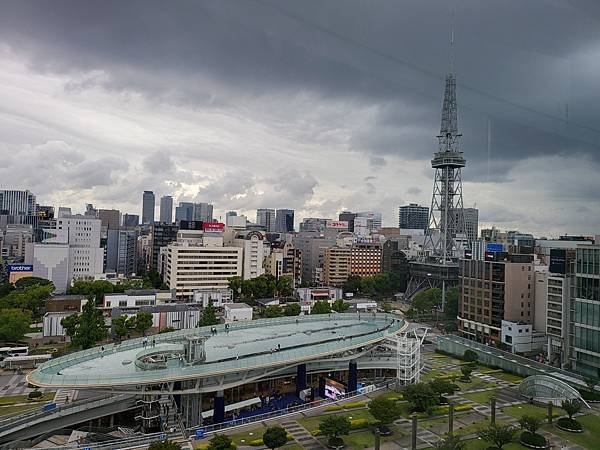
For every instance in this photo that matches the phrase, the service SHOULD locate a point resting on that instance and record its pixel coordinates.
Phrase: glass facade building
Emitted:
(585, 312)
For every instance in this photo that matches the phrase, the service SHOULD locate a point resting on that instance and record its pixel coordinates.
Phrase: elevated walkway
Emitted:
(41, 421)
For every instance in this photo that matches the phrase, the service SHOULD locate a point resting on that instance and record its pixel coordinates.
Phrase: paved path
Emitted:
(301, 435)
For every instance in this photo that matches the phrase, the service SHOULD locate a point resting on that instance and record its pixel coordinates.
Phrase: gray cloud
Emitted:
(269, 99)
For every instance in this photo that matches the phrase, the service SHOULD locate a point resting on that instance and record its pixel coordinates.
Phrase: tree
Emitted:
(164, 445)
(166, 330)
(450, 442)
(442, 387)
(333, 427)
(421, 396)
(235, 284)
(452, 297)
(530, 423)
(220, 442)
(470, 356)
(26, 282)
(340, 306)
(87, 328)
(275, 437)
(292, 309)
(6, 288)
(14, 323)
(143, 321)
(591, 383)
(497, 435)
(273, 311)
(386, 411)
(120, 328)
(466, 373)
(425, 301)
(352, 284)
(571, 406)
(209, 316)
(321, 307)
(285, 286)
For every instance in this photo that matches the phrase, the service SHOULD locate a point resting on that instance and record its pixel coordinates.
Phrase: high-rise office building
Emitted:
(121, 251)
(413, 217)
(471, 223)
(110, 218)
(347, 216)
(148, 204)
(265, 217)
(166, 209)
(203, 212)
(17, 203)
(17, 208)
(284, 219)
(71, 252)
(185, 211)
(131, 220)
(161, 235)
(584, 330)
(499, 288)
(375, 217)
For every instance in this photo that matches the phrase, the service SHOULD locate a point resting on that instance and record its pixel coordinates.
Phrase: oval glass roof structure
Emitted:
(544, 388)
(236, 348)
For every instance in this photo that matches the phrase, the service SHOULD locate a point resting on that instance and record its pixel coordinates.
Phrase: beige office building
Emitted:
(193, 266)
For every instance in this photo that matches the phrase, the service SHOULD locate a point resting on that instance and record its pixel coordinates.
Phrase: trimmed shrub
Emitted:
(564, 423)
(533, 439)
(333, 408)
(35, 394)
(470, 355)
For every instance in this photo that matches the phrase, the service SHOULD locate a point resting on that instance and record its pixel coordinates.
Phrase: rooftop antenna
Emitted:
(452, 38)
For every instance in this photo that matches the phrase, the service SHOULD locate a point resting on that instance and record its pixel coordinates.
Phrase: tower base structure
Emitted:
(426, 275)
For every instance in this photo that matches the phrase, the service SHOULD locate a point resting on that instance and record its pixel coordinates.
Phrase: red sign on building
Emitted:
(213, 227)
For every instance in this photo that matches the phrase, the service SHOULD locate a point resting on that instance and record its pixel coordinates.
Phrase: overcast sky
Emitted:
(317, 106)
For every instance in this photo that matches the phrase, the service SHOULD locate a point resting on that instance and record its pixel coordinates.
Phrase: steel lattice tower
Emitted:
(446, 217)
(438, 265)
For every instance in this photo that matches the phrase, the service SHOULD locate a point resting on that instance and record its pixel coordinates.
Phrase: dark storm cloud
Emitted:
(371, 74)
(516, 62)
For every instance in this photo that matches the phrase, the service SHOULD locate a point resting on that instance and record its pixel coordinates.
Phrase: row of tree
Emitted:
(20, 303)
(379, 286)
(264, 286)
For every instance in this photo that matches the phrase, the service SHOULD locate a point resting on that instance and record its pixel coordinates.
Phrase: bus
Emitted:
(13, 351)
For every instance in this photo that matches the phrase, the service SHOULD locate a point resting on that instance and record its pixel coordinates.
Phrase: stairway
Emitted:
(301, 435)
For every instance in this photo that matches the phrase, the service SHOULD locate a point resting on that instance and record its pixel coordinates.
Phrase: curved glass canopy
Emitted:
(544, 389)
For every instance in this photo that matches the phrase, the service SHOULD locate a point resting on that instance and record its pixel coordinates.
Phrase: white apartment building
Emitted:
(237, 312)
(253, 253)
(218, 297)
(72, 252)
(200, 263)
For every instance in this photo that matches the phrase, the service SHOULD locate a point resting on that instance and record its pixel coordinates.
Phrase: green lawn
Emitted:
(508, 377)
(480, 444)
(312, 423)
(12, 399)
(480, 397)
(366, 439)
(245, 437)
(5, 410)
(293, 446)
(476, 383)
(474, 427)
(590, 438)
(531, 410)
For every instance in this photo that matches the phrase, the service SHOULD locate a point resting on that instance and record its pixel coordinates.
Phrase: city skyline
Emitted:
(112, 116)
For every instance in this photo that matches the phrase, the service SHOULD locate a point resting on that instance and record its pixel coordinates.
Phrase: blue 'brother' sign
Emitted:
(20, 268)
